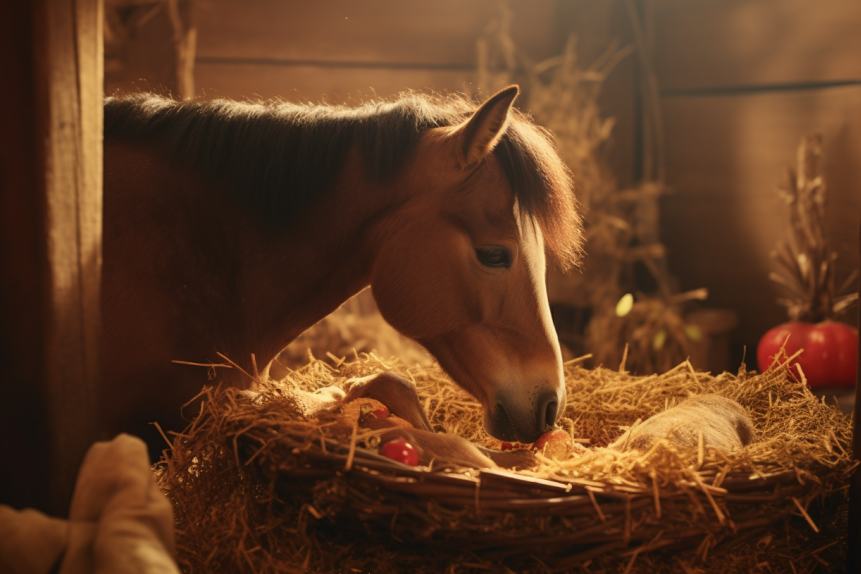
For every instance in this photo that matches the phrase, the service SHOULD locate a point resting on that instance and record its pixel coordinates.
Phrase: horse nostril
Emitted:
(503, 424)
(551, 413)
(547, 411)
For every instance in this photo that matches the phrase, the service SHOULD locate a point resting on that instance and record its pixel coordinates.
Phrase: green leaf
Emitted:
(625, 304)
(659, 340)
(693, 332)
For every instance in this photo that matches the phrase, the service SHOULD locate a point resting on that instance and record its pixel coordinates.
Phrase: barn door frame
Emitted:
(50, 245)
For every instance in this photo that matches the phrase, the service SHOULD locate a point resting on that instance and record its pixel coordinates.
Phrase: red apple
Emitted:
(401, 451)
(830, 357)
(555, 444)
(381, 413)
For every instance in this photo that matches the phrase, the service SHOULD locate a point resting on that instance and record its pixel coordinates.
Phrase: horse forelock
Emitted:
(543, 187)
(279, 156)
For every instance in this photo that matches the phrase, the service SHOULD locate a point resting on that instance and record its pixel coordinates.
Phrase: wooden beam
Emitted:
(51, 206)
(437, 32)
(853, 536)
(724, 43)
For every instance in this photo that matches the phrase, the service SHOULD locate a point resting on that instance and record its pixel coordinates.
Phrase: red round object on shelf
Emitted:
(830, 357)
(401, 451)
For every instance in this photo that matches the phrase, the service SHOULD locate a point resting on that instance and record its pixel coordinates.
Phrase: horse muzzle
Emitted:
(524, 417)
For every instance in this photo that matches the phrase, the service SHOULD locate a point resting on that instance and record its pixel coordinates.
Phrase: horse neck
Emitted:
(189, 272)
(307, 270)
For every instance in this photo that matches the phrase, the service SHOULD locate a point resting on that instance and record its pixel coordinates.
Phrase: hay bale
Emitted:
(258, 487)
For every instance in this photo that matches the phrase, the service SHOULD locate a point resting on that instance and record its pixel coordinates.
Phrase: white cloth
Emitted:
(119, 521)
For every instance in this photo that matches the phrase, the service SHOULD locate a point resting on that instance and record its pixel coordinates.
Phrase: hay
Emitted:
(258, 488)
(355, 326)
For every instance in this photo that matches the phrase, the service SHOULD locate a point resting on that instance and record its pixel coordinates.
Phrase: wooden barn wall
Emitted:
(341, 51)
(338, 51)
(742, 81)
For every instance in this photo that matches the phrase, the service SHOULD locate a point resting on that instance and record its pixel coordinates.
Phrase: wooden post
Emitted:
(50, 245)
(853, 537)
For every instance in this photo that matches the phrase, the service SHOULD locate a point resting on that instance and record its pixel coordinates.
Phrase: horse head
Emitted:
(461, 262)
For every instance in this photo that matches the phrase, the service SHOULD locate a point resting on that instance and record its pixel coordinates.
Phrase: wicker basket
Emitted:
(257, 487)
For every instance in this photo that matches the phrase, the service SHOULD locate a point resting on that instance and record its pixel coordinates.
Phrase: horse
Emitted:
(231, 227)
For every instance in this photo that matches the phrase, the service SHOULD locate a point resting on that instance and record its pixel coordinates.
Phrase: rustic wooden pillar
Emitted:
(854, 534)
(50, 245)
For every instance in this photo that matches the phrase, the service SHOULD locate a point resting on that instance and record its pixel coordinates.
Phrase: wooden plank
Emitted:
(596, 24)
(52, 238)
(713, 43)
(853, 535)
(319, 84)
(144, 60)
(726, 156)
(73, 196)
(439, 36)
(441, 32)
(23, 421)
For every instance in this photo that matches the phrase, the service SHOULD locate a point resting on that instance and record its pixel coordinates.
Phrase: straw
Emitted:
(259, 485)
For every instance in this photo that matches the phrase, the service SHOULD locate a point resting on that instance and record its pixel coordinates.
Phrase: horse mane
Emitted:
(281, 156)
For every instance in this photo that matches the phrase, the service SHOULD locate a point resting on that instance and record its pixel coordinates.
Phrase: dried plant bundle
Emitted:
(806, 263)
(257, 487)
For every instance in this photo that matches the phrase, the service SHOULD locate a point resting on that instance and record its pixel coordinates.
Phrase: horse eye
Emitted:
(494, 257)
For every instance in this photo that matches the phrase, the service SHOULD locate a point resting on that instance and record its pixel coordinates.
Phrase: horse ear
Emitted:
(477, 136)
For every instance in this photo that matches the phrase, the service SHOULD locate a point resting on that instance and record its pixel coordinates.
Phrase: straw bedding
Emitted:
(257, 487)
